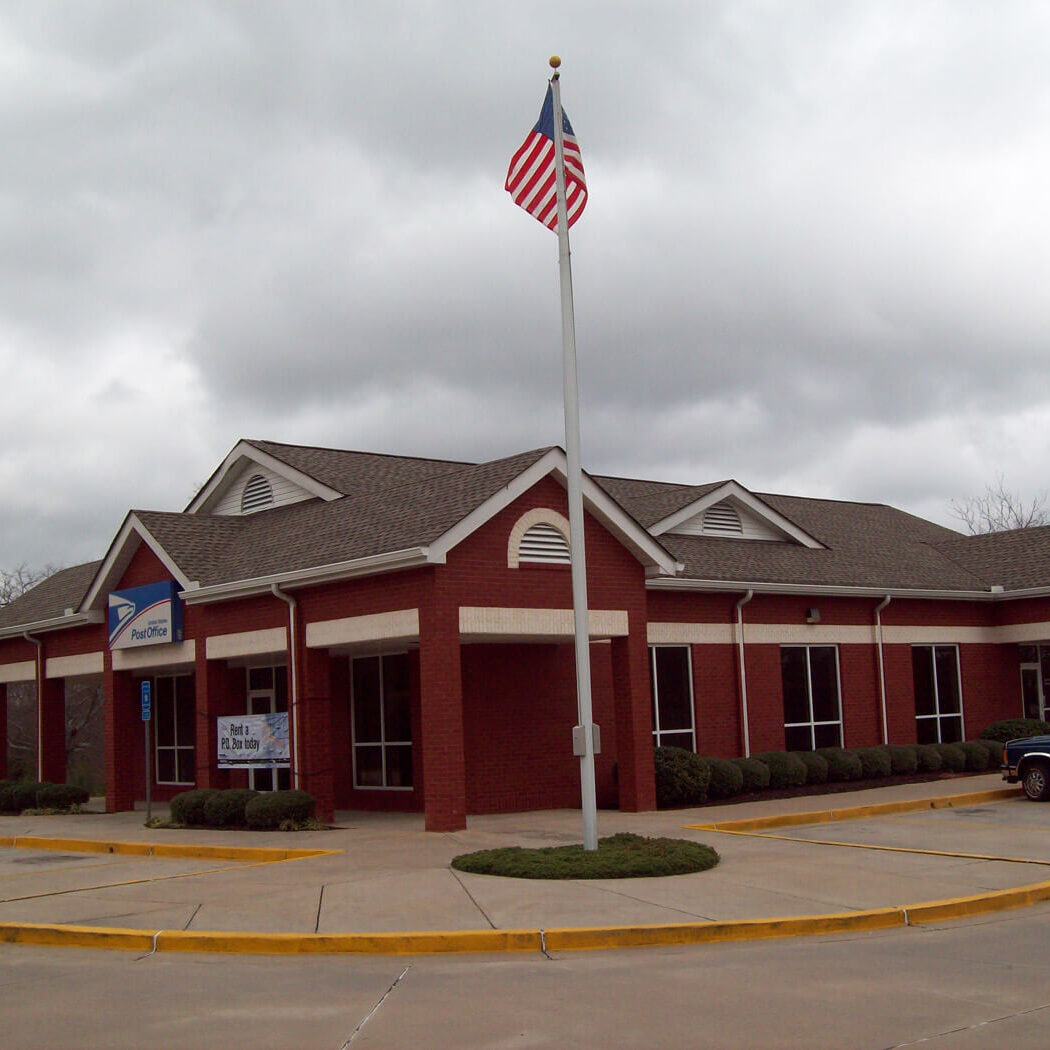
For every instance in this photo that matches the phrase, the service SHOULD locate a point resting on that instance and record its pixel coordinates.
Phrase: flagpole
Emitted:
(583, 734)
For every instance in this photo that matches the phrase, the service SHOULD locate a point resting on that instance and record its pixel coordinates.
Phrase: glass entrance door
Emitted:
(268, 694)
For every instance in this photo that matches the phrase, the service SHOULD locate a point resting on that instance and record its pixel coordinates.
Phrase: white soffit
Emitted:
(746, 501)
(232, 468)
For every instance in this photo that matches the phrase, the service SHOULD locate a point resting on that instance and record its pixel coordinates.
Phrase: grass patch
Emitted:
(622, 856)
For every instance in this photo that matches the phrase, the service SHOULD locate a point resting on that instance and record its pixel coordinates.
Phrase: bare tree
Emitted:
(999, 509)
(15, 582)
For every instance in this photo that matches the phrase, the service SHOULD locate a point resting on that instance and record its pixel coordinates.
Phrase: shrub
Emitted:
(785, 769)
(874, 762)
(726, 779)
(6, 803)
(227, 807)
(929, 758)
(978, 757)
(21, 794)
(1012, 728)
(681, 777)
(954, 757)
(995, 751)
(816, 766)
(904, 759)
(60, 796)
(188, 806)
(842, 765)
(755, 773)
(271, 809)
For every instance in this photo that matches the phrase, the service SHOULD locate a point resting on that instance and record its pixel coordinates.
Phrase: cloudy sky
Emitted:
(815, 256)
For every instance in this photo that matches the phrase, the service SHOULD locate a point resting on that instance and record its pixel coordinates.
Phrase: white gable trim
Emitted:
(647, 550)
(737, 492)
(230, 472)
(132, 534)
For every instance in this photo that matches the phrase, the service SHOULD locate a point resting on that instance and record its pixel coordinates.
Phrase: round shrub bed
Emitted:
(816, 766)
(726, 778)
(22, 794)
(995, 751)
(275, 809)
(842, 765)
(785, 769)
(225, 808)
(622, 856)
(681, 777)
(187, 807)
(755, 773)
(929, 758)
(978, 758)
(874, 762)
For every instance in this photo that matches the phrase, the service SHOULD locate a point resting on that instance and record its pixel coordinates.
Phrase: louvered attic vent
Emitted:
(722, 520)
(258, 493)
(544, 543)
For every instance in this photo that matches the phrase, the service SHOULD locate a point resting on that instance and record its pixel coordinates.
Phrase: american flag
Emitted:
(531, 178)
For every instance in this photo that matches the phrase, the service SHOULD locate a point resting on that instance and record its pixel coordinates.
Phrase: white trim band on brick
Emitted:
(20, 672)
(73, 666)
(173, 654)
(920, 635)
(246, 643)
(402, 625)
(495, 622)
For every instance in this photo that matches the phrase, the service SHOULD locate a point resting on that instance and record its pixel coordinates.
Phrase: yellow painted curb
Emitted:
(165, 849)
(75, 936)
(875, 809)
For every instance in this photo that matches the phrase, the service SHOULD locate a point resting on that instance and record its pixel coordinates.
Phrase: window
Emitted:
(671, 689)
(174, 729)
(381, 722)
(257, 493)
(1035, 680)
(812, 711)
(938, 699)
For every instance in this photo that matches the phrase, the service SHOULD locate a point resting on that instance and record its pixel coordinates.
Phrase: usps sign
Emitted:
(149, 615)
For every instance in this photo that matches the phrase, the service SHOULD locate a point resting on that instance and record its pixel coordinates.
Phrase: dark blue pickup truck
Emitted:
(1027, 759)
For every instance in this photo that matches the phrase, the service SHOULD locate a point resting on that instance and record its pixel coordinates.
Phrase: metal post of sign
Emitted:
(147, 713)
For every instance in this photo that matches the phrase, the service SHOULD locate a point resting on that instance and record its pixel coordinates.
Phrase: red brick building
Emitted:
(412, 618)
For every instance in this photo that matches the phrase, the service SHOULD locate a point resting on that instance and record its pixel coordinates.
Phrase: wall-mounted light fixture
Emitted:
(813, 615)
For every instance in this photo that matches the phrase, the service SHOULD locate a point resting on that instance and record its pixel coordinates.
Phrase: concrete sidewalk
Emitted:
(389, 876)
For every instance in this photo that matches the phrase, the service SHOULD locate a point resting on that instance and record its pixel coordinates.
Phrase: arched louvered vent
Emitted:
(544, 543)
(722, 519)
(258, 493)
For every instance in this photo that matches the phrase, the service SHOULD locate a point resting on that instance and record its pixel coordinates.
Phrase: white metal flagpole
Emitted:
(583, 735)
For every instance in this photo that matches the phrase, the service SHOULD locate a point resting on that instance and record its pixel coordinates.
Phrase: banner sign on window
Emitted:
(253, 741)
(149, 615)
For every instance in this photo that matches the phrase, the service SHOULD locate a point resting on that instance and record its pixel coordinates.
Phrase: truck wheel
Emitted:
(1036, 781)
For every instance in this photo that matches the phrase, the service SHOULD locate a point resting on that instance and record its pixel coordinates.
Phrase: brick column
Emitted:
(315, 727)
(51, 700)
(634, 722)
(441, 715)
(212, 700)
(3, 731)
(123, 743)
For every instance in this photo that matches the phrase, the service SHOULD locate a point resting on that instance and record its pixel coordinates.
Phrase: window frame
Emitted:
(939, 716)
(654, 697)
(382, 743)
(813, 722)
(174, 747)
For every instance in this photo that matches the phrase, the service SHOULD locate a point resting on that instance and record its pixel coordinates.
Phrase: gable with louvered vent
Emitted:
(255, 488)
(543, 543)
(723, 519)
(729, 519)
(256, 494)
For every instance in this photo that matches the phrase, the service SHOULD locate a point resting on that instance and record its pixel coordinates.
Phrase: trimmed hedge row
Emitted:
(240, 807)
(687, 779)
(19, 795)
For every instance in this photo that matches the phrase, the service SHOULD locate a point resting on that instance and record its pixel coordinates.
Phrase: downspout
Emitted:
(743, 672)
(293, 700)
(882, 666)
(39, 681)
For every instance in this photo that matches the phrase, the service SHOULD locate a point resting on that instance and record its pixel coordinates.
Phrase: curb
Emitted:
(583, 938)
(875, 809)
(265, 854)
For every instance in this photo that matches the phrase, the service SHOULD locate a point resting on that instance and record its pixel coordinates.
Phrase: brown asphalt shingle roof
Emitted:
(51, 597)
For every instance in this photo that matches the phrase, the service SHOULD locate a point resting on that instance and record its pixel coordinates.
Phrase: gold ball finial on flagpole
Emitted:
(555, 61)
